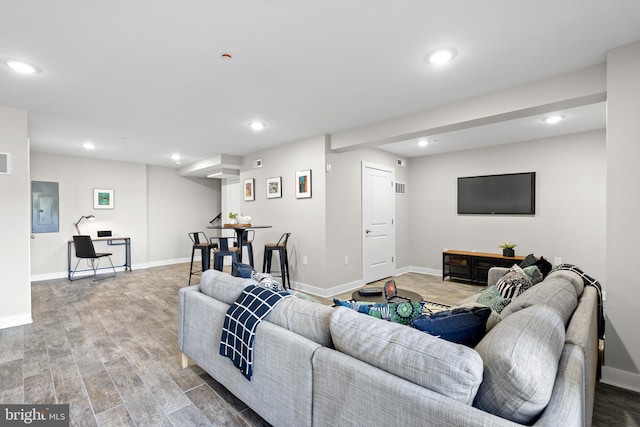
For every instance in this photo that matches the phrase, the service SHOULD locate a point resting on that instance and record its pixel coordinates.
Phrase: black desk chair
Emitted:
(281, 247)
(201, 243)
(86, 250)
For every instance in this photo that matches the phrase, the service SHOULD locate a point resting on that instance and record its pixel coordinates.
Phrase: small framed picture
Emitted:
(249, 190)
(303, 184)
(274, 187)
(103, 198)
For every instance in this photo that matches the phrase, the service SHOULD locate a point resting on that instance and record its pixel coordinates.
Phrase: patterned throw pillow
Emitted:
(534, 274)
(491, 298)
(402, 313)
(513, 283)
(266, 280)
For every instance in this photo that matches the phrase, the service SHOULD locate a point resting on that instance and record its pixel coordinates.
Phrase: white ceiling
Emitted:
(144, 79)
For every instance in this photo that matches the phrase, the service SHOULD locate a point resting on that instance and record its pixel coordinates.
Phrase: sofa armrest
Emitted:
(495, 273)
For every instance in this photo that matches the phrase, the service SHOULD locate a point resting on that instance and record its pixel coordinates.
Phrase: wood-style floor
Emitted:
(109, 349)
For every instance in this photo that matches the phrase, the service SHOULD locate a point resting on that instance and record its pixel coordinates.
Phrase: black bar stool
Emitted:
(281, 247)
(201, 243)
(247, 242)
(221, 250)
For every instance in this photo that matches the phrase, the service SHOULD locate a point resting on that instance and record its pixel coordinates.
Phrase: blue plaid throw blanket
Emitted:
(241, 321)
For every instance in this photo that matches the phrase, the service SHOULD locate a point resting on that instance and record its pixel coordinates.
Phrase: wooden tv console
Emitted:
(473, 266)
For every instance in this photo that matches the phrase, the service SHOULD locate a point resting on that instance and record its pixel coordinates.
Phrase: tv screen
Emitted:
(508, 194)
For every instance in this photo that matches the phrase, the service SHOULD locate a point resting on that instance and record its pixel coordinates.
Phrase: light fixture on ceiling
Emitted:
(441, 56)
(423, 143)
(20, 66)
(226, 57)
(89, 146)
(257, 126)
(175, 157)
(553, 119)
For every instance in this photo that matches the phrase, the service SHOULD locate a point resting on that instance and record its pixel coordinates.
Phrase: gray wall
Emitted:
(153, 206)
(15, 214)
(304, 218)
(622, 346)
(344, 216)
(176, 206)
(570, 203)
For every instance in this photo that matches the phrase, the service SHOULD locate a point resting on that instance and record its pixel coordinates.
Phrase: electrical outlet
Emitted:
(305, 261)
(346, 259)
(557, 260)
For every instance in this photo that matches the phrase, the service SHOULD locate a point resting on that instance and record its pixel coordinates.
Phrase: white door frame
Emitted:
(365, 267)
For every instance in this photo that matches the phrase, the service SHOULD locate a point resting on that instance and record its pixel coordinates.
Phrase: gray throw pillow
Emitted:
(521, 356)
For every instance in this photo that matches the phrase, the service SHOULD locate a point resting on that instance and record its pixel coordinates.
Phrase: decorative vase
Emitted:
(508, 252)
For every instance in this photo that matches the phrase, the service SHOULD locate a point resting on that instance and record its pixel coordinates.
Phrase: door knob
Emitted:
(367, 231)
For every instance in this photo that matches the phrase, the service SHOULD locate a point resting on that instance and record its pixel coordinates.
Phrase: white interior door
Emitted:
(378, 214)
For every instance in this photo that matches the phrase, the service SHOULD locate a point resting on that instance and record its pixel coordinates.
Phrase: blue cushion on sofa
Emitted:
(242, 270)
(459, 325)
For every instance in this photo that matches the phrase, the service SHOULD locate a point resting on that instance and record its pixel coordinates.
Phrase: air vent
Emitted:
(401, 188)
(5, 167)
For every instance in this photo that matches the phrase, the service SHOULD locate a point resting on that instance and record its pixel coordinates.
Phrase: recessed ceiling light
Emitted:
(89, 145)
(441, 56)
(257, 125)
(20, 66)
(423, 143)
(553, 119)
(226, 57)
(175, 157)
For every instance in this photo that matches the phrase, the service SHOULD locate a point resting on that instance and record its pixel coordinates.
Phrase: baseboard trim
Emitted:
(17, 320)
(619, 378)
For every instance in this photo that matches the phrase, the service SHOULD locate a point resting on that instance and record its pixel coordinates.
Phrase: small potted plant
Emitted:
(232, 218)
(507, 249)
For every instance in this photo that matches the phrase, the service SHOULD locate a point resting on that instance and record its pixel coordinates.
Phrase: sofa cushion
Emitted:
(555, 292)
(223, 286)
(493, 319)
(521, 357)
(311, 320)
(513, 283)
(462, 325)
(441, 366)
(491, 298)
(571, 276)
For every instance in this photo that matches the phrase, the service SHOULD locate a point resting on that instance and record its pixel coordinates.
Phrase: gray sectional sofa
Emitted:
(316, 365)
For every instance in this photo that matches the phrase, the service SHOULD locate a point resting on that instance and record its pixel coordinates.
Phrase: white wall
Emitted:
(344, 216)
(622, 346)
(153, 205)
(304, 218)
(177, 206)
(570, 203)
(15, 214)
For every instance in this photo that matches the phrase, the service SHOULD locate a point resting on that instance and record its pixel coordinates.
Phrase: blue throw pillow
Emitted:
(459, 325)
(242, 270)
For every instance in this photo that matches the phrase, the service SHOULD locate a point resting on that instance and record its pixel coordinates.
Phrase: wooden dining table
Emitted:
(240, 229)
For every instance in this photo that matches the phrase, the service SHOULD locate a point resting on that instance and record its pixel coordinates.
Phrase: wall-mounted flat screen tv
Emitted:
(507, 194)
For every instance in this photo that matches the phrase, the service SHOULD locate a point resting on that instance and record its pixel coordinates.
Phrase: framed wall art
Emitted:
(249, 190)
(274, 187)
(303, 184)
(103, 198)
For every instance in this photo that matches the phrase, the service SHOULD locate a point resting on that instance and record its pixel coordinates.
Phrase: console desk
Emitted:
(473, 266)
(123, 241)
